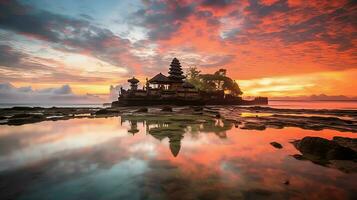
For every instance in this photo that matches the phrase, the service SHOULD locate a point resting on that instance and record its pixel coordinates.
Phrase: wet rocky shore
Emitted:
(252, 118)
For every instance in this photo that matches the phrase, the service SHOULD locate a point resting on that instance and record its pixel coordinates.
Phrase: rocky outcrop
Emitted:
(322, 148)
(106, 112)
(20, 119)
(328, 152)
(346, 142)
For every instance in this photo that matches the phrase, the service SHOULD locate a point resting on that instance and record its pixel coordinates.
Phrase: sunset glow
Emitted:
(273, 48)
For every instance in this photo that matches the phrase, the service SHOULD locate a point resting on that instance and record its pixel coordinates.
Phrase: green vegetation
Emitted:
(213, 82)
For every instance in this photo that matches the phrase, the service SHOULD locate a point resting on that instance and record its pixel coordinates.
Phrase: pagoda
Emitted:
(133, 83)
(175, 74)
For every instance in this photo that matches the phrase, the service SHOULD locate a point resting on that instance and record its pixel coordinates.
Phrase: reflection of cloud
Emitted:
(96, 158)
(34, 142)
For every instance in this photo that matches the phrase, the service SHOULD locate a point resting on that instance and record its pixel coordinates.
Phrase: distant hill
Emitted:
(320, 97)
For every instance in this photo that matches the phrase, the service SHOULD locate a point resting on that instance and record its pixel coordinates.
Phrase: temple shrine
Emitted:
(174, 90)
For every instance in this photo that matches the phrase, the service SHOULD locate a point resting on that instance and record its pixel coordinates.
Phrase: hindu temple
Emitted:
(173, 89)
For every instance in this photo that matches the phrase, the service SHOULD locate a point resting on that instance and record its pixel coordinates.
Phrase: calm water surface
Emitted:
(123, 158)
(349, 105)
(272, 103)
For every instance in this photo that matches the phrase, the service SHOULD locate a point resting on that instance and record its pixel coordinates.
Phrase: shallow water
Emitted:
(153, 158)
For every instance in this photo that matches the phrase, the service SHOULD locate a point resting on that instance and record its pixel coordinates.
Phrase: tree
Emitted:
(192, 73)
(232, 86)
(213, 82)
(193, 77)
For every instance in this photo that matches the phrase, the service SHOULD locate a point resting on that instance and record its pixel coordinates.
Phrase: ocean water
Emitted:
(314, 104)
(157, 158)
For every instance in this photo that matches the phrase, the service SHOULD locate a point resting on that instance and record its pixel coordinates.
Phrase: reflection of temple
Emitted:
(133, 127)
(174, 130)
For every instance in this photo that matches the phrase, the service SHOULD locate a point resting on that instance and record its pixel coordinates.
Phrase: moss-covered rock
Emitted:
(166, 109)
(142, 110)
(253, 126)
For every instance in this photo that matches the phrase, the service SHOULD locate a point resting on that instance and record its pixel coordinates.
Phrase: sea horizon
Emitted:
(292, 104)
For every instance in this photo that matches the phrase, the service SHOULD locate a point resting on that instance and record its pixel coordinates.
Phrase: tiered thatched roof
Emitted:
(176, 71)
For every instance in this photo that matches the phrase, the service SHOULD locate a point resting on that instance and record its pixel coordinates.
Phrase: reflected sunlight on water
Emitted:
(313, 104)
(153, 158)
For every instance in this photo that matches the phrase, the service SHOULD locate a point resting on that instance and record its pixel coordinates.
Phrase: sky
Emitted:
(53, 49)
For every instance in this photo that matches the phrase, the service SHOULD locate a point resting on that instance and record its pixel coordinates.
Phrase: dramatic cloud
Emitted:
(93, 46)
(51, 96)
(74, 35)
(9, 57)
(15, 66)
(216, 3)
(15, 60)
(163, 18)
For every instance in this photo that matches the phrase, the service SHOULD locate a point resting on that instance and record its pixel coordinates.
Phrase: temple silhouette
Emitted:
(175, 90)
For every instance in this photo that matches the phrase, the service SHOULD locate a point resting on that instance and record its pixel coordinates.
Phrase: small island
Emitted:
(177, 89)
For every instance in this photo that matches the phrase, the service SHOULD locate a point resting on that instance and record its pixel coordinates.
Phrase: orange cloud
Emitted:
(254, 40)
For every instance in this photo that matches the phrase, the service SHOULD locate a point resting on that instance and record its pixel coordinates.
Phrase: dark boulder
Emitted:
(346, 142)
(298, 157)
(276, 145)
(323, 149)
